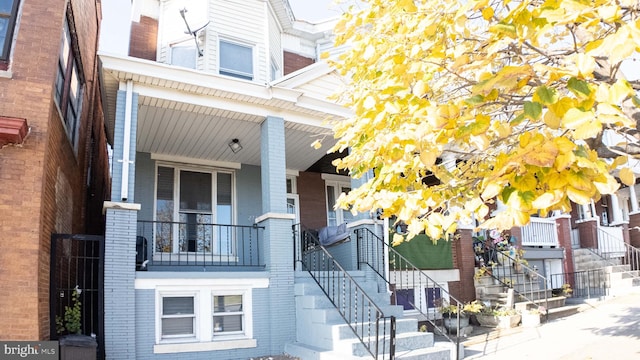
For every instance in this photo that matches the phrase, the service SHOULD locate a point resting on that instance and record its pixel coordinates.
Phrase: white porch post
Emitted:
(616, 212)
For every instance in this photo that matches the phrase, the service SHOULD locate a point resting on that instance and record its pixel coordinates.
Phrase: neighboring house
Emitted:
(53, 150)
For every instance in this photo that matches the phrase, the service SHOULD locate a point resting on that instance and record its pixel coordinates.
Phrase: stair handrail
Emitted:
(533, 275)
(316, 260)
(630, 255)
(364, 234)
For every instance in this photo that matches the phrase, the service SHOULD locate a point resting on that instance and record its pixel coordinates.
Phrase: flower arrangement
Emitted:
(472, 307)
(71, 322)
(567, 290)
(498, 311)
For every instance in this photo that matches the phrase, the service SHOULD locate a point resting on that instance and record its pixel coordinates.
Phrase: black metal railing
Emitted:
(581, 284)
(166, 244)
(403, 278)
(368, 322)
(528, 285)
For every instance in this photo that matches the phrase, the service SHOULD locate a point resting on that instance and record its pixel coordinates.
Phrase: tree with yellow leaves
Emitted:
(458, 104)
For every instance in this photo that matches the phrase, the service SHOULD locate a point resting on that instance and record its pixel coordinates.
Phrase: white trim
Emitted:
(334, 177)
(203, 290)
(119, 67)
(273, 215)
(6, 74)
(183, 160)
(174, 278)
(124, 188)
(204, 346)
(120, 206)
(290, 172)
(360, 222)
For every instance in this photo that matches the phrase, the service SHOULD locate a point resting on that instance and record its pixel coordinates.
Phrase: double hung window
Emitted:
(236, 60)
(178, 317)
(8, 16)
(69, 86)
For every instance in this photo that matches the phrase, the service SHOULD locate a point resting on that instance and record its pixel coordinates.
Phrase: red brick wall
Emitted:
(29, 174)
(293, 62)
(634, 233)
(313, 207)
(464, 261)
(588, 234)
(144, 38)
(563, 226)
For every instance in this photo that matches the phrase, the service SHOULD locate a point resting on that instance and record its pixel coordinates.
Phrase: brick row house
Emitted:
(54, 174)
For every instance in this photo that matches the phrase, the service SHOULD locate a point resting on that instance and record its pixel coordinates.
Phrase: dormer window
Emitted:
(184, 54)
(236, 60)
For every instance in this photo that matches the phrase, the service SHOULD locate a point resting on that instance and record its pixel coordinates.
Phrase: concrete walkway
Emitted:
(606, 330)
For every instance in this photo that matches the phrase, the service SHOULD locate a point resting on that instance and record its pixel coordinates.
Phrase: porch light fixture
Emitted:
(235, 145)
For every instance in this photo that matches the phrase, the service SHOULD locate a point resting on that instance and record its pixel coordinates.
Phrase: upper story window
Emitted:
(8, 15)
(184, 54)
(236, 60)
(69, 86)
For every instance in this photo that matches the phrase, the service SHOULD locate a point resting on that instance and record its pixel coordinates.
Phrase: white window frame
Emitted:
(232, 72)
(237, 334)
(338, 182)
(214, 171)
(203, 291)
(160, 315)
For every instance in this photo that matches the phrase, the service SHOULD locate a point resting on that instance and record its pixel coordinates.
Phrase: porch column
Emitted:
(278, 235)
(120, 234)
(616, 212)
(563, 226)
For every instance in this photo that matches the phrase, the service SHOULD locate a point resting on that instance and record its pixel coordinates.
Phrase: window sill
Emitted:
(6, 74)
(204, 346)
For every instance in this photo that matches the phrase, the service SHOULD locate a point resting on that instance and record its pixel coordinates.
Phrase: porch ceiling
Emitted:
(187, 114)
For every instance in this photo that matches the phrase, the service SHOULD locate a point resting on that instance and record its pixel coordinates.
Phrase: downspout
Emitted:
(124, 189)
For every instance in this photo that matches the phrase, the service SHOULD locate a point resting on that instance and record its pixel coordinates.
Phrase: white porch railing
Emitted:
(611, 241)
(540, 232)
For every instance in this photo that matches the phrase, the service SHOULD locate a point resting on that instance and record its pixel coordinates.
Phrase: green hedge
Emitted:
(426, 255)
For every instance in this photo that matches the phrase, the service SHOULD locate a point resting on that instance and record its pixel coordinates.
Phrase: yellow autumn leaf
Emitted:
(547, 199)
(619, 91)
(578, 196)
(397, 239)
(609, 186)
(543, 156)
(574, 118)
(627, 176)
(491, 190)
(588, 130)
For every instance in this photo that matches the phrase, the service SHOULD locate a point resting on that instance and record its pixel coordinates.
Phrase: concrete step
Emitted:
(550, 303)
(404, 342)
(306, 352)
(561, 312)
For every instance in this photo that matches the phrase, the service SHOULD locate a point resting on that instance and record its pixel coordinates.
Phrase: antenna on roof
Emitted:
(194, 33)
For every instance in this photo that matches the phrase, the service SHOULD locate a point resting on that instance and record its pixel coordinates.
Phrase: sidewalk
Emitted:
(606, 330)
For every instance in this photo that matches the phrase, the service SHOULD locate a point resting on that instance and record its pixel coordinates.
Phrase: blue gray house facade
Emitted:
(210, 139)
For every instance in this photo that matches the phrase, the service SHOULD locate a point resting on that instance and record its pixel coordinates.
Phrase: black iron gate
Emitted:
(78, 260)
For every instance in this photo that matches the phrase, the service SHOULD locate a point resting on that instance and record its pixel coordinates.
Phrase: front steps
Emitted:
(322, 334)
(615, 279)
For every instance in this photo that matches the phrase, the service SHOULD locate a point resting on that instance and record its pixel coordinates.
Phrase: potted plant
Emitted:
(450, 314)
(500, 317)
(531, 317)
(74, 345)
